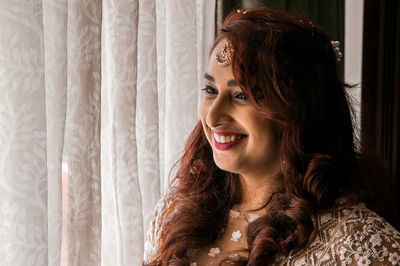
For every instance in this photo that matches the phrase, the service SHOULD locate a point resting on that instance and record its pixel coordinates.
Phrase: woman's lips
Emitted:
(226, 140)
(225, 146)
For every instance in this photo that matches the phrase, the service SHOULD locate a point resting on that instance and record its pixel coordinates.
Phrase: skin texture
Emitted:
(256, 157)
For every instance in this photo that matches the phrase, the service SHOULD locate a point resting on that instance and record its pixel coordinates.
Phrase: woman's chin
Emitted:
(226, 166)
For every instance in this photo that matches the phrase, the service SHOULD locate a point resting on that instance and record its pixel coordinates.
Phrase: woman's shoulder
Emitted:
(350, 234)
(151, 244)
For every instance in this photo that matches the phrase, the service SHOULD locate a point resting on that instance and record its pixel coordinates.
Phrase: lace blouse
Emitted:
(347, 235)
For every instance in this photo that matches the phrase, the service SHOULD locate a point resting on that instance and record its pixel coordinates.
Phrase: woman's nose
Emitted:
(220, 111)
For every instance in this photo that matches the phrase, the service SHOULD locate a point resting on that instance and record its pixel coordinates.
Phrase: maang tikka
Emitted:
(224, 56)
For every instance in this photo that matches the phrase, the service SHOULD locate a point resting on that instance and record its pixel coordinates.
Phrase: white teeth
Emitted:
(226, 138)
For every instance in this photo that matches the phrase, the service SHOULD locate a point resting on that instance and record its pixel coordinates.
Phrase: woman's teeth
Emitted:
(227, 138)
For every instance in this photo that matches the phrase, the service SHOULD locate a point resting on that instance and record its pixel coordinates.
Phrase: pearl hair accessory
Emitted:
(224, 56)
(336, 49)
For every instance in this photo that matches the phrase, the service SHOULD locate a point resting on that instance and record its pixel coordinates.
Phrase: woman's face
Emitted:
(242, 140)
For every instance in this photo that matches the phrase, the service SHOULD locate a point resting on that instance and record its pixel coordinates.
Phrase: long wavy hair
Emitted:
(287, 60)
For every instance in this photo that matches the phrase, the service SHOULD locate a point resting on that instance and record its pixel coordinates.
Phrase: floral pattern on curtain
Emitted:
(96, 101)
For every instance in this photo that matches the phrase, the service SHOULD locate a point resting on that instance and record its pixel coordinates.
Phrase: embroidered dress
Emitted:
(347, 235)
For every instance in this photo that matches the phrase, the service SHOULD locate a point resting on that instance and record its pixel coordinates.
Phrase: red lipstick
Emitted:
(228, 145)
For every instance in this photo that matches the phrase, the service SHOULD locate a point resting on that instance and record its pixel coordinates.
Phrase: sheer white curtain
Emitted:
(96, 101)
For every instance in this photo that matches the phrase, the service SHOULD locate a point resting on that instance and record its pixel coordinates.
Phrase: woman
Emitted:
(267, 174)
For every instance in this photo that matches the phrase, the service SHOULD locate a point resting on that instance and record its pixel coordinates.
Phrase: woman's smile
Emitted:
(224, 140)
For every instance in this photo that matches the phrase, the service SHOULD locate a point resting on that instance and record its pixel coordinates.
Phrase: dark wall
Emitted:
(380, 122)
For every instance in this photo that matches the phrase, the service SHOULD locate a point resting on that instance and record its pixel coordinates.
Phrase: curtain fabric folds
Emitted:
(96, 100)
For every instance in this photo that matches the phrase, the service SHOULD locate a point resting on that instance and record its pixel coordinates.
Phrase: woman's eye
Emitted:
(212, 92)
(241, 96)
(209, 90)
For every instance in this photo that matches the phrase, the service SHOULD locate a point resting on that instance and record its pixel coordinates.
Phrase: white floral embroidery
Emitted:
(375, 240)
(234, 214)
(342, 252)
(362, 261)
(394, 258)
(325, 218)
(214, 252)
(353, 235)
(253, 216)
(236, 236)
(193, 264)
(151, 244)
(326, 257)
(385, 251)
(300, 262)
(234, 257)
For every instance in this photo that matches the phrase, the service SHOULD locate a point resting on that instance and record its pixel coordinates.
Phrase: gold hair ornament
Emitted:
(224, 56)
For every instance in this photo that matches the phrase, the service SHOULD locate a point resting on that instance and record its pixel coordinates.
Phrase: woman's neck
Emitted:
(258, 191)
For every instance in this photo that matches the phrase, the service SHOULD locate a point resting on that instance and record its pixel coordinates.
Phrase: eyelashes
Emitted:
(241, 96)
(211, 92)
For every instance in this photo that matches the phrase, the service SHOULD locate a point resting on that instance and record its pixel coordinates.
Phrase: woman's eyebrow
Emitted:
(231, 83)
(209, 77)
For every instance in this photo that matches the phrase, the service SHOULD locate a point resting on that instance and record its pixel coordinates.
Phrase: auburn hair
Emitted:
(288, 61)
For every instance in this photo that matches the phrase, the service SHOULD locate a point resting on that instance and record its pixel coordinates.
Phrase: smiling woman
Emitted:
(269, 173)
(242, 140)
